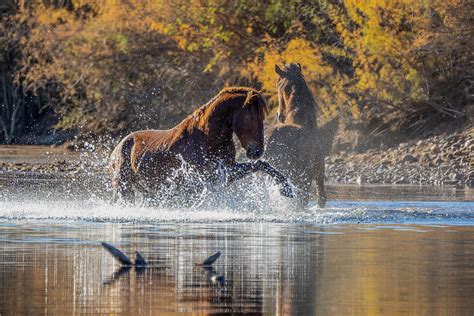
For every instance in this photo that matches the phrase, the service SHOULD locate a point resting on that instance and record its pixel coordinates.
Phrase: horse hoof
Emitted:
(287, 191)
(321, 202)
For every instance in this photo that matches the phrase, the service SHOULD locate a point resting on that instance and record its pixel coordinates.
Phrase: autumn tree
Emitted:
(107, 66)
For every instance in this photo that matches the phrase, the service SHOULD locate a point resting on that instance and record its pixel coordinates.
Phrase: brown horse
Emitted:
(296, 146)
(146, 160)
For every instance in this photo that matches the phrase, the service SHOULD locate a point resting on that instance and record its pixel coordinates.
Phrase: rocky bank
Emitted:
(437, 160)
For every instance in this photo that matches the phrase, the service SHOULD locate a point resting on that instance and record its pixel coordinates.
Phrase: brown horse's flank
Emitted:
(203, 139)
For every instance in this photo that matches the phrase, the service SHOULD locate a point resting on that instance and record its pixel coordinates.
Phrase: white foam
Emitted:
(336, 212)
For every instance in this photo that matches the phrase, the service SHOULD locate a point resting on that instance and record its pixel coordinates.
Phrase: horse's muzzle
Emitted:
(254, 152)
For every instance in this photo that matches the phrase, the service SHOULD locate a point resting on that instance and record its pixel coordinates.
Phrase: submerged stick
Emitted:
(212, 275)
(139, 261)
(117, 254)
(210, 260)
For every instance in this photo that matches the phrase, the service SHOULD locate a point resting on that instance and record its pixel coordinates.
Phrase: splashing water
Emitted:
(186, 188)
(254, 199)
(227, 206)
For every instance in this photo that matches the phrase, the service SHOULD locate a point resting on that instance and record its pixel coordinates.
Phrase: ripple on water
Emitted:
(373, 212)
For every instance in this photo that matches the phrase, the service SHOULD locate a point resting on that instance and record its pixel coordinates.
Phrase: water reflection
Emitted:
(399, 192)
(269, 268)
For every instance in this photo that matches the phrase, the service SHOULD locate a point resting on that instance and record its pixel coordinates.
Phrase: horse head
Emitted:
(294, 97)
(248, 124)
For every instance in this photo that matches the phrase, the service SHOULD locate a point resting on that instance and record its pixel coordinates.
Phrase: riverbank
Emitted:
(438, 160)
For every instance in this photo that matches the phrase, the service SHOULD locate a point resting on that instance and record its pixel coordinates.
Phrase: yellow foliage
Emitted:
(383, 41)
(327, 86)
(297, 51)
(357, 55)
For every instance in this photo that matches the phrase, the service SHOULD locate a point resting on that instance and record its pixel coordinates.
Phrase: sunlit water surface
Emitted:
(354, 257)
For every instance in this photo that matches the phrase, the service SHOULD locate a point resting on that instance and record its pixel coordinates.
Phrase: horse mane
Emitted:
(254, 99)
(233, 90)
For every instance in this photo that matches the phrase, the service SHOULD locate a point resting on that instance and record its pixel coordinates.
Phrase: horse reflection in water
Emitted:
(152, 160)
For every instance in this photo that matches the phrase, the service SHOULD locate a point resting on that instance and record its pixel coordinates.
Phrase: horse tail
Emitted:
(120, 162)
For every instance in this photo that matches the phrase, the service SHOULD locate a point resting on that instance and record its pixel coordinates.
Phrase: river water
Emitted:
(372, 250)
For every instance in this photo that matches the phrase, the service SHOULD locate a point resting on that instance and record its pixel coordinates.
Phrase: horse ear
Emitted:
(280, 72)
(299, 66)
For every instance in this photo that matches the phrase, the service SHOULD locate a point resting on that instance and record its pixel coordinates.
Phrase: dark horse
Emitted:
(145, 160)
(297, 146)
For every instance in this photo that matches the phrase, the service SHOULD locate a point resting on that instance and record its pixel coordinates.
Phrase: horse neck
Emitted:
(218, 121)
(302, 110)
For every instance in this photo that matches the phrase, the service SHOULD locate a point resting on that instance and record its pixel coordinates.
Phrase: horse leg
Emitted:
(123, 186)
(304, 187)
(320, 183)
(304, 199)
(124, 192)
(279, 177)
(240, 170)
(127, 193)
(115, 197)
